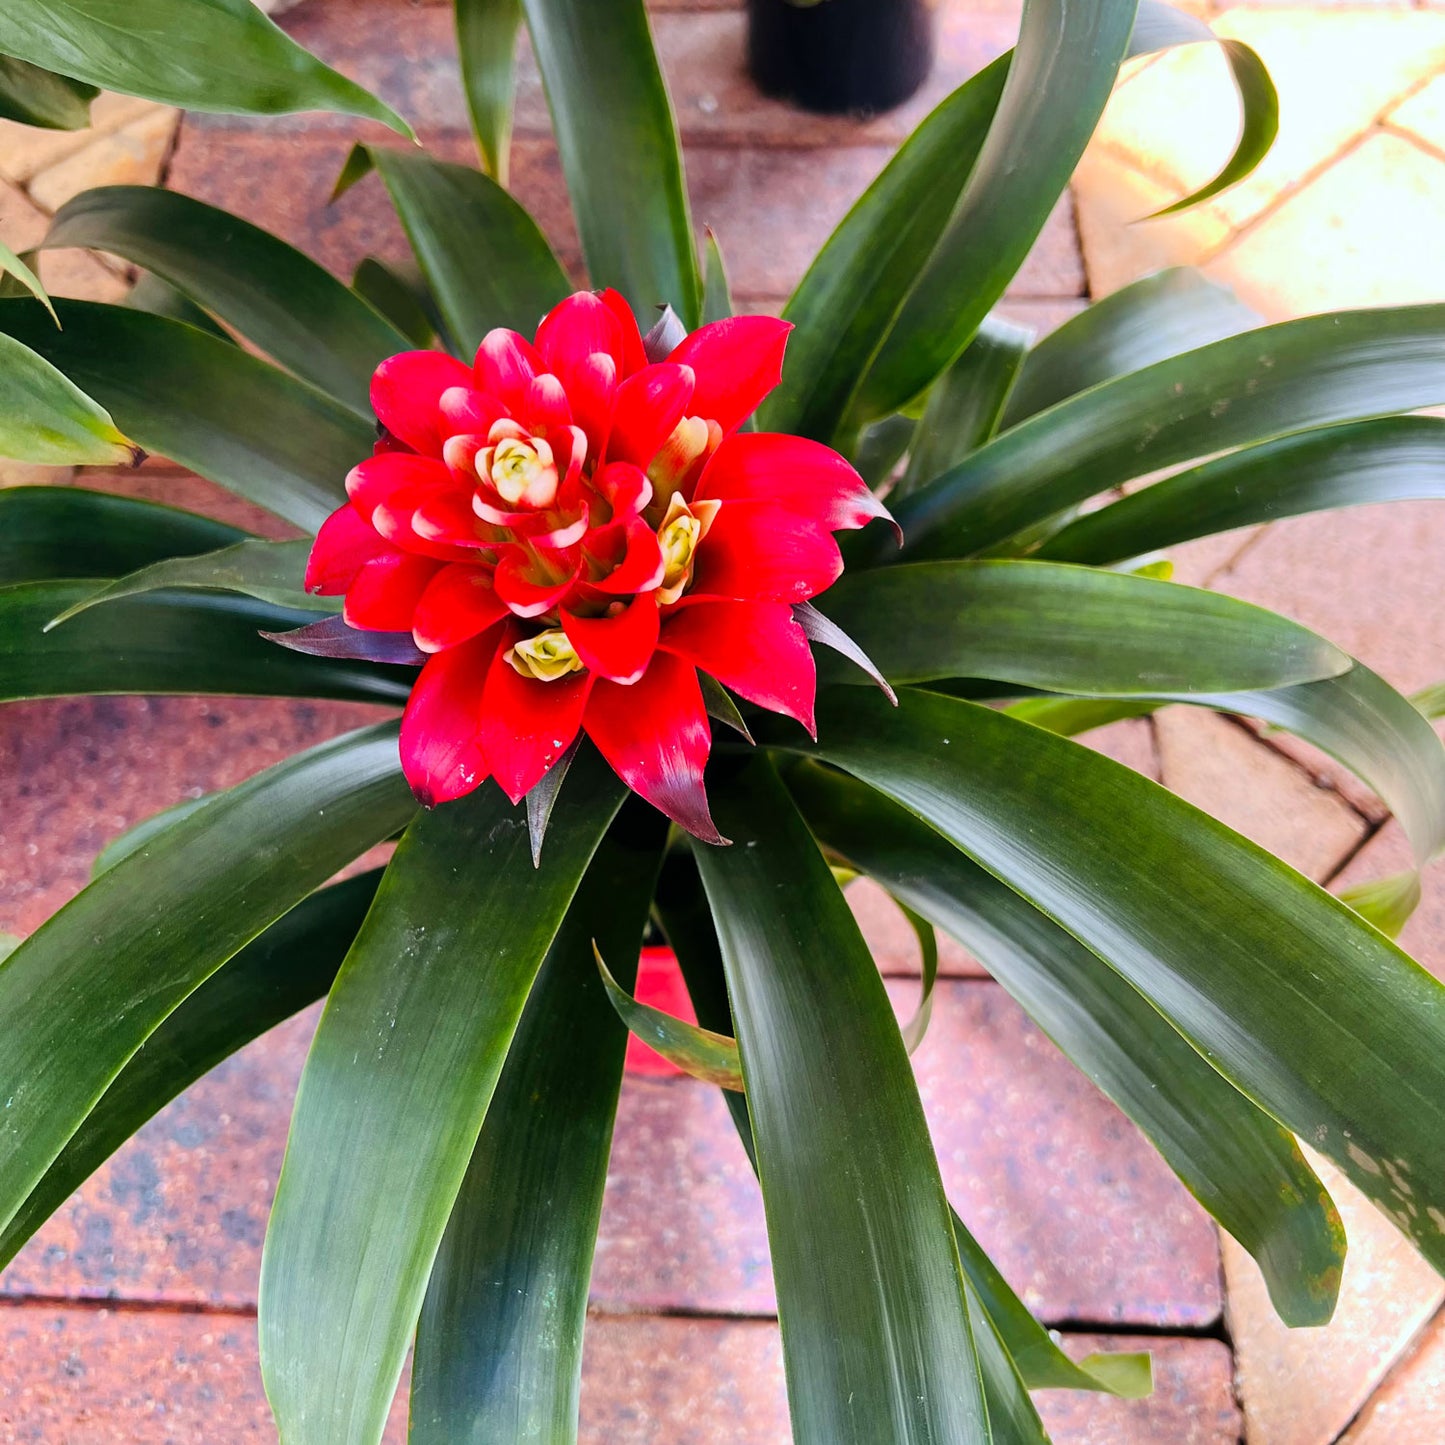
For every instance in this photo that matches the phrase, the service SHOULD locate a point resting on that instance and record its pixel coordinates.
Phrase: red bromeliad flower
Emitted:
(569, 530)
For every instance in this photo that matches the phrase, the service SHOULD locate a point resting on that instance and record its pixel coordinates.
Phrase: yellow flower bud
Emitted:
(547, 656)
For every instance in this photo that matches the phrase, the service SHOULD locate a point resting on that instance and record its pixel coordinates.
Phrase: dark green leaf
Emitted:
(1391, 459)
(1279, 379)
(881, 446)
(486, 44)
(395, 1089)
(1062, 72)
(398, 297)
(270, 571)
(143, 832)
(484, 259)
(717, 301)
(1374, 731)
(1151, 320)
(499, 1344)
(160, 298)
(614, 127)
(50, 532)
(1159, 26)
(706, 1055)
(1308, 1010)
(293, 309)
(169, 643)
(86, 990)
(289, 966)
(45, 418)
(219, 55)
(1067, 629)
(844, 305)
(1238, 1163)
(34, 96)
(205, 404)
(857, 1222)
(965, 403)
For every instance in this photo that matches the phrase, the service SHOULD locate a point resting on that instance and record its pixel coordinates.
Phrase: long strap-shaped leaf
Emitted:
(1063, 69)
(204, 403)
(683, 911)
(499, 1343)
(876, 1338)
(1246, 1170)
(1067, 629)
(615, 129)
(845, 303)
(1170, 312)
(87, 989)
(1306, 1009)
(483, 257)
(50, 532)
(34, 96)
(46, 418)
(223, 55)
(395, 1090)
(293, 309)
(1284, 378)
(169, 642)
(289, 966)
(486, 42)
(1391, 459)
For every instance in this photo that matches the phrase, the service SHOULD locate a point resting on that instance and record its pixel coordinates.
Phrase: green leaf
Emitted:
(1062, 72)
(1244, 1169)
(483, 257)
(1308, 1010)
(857, 1222)
(965, 403)
(1374, 731)
(486, 45)
(270, 571)
(51, 532)
(880, 447)
(615, 129)
(1012, 1418)
(717, 301)
(47, 419)
(1430, 701)
(1067, 629)
(499, 1344)
(1279, 379)
(845, 303)
(1069, 716)
(279, 973)
(1043, 1365)
(1386, 902)
(1161, 25)
(87, 989)
(706, 1055)
(294, 310)
(160, 298)
(217, 55)
(143, 832)
(395, 1089)
(1151, 320)
(34, 96)
(1391, 459)
(170, 643)
(398, 297)
(205, 404)
(12, 265)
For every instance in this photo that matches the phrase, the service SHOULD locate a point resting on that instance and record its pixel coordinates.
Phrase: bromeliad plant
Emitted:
(583, 536)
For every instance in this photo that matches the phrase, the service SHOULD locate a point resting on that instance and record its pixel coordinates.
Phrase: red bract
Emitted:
(572, 531)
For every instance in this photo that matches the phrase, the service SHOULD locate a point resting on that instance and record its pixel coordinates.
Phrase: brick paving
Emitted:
(129, 1316)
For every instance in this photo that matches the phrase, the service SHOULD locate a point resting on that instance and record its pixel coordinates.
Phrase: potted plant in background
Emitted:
(581, 533)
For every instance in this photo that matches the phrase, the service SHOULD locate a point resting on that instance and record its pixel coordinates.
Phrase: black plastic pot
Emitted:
(837, 56)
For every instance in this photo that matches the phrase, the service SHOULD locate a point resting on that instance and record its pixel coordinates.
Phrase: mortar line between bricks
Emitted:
(1370, 834)
(122, 1305)
(1404, 133)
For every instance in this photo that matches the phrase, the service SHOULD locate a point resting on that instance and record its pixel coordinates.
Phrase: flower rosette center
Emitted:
(570, 529)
